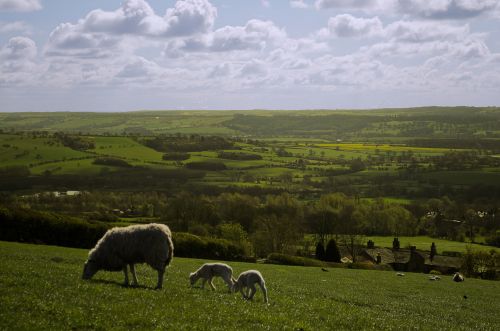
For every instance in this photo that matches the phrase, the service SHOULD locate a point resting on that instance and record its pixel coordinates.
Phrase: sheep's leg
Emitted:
(125, 271)
(203, 283)
(211, 284)
(134, 276)
(159, 285)
(264, 290)
(252, 291)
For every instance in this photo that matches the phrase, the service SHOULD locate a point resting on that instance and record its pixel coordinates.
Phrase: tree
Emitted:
(320, 251)
(395, 244)
(332, 253)
(433, 251)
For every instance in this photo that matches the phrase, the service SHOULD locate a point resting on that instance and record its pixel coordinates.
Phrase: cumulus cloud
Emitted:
(298, 4)
(19, 48)
(17, 26)
(254, 35)
(346, 25)
(446, 9)
(327, 4)
(20, 5)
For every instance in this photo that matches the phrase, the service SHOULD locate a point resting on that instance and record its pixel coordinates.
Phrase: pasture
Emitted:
(41, 289)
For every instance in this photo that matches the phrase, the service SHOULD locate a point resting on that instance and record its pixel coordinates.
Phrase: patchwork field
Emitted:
(41, 289)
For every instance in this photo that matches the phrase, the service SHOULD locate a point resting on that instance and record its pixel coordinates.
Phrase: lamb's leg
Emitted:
(161, 272)
(229, 283)
(134, 276)
(211, 284)
(125, 271)
(243, 293)
(252, 291)
(264, 290)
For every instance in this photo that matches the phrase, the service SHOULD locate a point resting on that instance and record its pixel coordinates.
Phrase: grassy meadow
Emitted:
(41, 289)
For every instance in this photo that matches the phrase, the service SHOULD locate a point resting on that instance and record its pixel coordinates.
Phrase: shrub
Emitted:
(189, 245)
(175, 156)
(276, 258)
(113, 162)
(320, 251)
(396, 244)
(434, 272)
(332, 253)
(206, 165)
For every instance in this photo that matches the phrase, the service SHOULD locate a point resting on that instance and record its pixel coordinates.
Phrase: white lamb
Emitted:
(211, 270)
(248, 279)
(119, 247)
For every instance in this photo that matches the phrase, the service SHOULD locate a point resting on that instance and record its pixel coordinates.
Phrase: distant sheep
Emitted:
(119, 247)
(458, 277)
(248, 279)
(211, 270)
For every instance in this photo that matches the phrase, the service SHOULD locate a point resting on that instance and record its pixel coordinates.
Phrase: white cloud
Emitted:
(20, 5)
(17, 26)
(299, 4)
(327, 4)
(265, 3)
(446, 9)
(345, 25)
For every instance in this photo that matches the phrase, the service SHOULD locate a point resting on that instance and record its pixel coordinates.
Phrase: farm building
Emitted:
(413, 260)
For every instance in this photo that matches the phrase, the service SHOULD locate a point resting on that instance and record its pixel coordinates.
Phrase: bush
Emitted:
(189, 245)
(206, 165)
(332, 253)
(176, 156)
(276, 258)
(113, 162)
(31, 226)
(434, 272)
(238, 156)
(320, 251)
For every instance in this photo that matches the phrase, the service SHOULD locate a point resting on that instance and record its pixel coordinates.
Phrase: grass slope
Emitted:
(424, 243)
(40, 289)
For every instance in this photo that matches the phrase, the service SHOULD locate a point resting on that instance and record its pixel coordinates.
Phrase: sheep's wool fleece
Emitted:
(148, 243)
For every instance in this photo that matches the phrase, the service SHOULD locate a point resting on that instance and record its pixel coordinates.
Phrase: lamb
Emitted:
(210, 270)
(119, 247)
(248, 279)
(458, 277)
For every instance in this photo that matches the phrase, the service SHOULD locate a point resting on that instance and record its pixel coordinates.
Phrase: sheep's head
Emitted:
(89, 269)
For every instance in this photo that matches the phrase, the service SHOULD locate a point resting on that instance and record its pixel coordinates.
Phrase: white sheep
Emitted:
(248, 279)
(210, 270)
(119, 247)
(458, 277)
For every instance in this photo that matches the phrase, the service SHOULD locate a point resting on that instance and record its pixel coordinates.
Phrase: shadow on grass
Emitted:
(115, 283)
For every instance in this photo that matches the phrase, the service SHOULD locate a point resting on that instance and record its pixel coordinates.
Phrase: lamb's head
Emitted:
(193, 278)
(235, 287)
(89, 269)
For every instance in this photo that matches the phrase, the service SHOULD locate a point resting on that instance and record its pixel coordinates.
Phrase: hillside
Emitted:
(41, 289)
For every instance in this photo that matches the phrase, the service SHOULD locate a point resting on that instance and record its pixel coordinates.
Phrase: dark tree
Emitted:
(433, 251)
(395, 243)
(320, 251)
(370, 244)
(332, 253)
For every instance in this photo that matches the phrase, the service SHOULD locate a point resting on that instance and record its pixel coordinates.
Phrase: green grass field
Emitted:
(41, 289)
(424, 243)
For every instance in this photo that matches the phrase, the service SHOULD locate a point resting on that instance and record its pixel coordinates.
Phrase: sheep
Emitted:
(210, 270)
(248, 279)
(458, 277)
(119, 247)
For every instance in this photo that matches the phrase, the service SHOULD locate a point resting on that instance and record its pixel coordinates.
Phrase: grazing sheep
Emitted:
(210, 270)
(400, 274)
(434, 278)
(248, 279)
(458, 277)
(119, 247)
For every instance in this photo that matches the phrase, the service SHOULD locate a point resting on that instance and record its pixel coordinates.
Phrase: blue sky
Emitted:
(59, 55)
